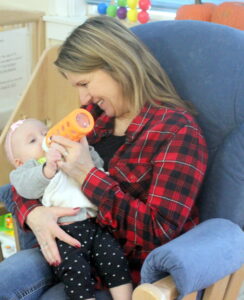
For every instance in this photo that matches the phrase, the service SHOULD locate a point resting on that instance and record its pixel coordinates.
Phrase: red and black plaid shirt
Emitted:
(148, 198)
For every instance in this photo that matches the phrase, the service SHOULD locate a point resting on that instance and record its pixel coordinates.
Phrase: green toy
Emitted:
(6, 223)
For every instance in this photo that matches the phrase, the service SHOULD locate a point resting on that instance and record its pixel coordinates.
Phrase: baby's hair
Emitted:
(8, 140)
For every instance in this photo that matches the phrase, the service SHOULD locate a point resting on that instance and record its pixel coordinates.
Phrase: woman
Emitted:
(154, 153)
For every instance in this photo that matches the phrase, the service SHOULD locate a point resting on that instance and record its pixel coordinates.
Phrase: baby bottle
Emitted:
(74, 126)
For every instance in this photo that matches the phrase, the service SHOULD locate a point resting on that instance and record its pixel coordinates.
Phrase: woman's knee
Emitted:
(25, 273)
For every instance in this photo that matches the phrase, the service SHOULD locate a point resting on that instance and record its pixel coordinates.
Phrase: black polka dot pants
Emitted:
(100, 251)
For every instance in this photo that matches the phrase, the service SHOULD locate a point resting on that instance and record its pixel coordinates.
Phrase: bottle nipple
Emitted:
(44, 145)
(83, 120)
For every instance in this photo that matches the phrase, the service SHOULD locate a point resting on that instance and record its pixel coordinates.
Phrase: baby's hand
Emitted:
(51, 167)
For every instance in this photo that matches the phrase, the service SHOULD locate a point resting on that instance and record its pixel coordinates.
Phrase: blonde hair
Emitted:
(103, 42)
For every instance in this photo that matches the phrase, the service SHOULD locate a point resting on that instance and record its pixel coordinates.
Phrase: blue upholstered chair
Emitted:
(205, 61)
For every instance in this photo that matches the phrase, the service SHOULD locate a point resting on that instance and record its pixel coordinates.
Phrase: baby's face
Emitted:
(27, 141)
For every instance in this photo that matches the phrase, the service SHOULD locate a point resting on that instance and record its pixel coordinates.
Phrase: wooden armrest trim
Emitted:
(163, 289)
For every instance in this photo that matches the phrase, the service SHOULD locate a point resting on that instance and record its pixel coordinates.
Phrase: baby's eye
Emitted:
(32, 141)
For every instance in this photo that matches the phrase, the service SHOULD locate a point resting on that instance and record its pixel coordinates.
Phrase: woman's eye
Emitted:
(82, 84)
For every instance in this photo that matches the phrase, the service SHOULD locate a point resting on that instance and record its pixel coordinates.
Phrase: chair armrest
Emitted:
(198, 258)
(163, 289)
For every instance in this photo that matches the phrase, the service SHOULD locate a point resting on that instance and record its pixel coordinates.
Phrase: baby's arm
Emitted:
(96, 158)
(29, 180)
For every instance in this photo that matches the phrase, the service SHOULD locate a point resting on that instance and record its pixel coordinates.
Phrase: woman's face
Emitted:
(100, 88)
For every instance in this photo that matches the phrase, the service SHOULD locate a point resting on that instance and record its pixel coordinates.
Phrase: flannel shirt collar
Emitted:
(104, 125)
(140, 121)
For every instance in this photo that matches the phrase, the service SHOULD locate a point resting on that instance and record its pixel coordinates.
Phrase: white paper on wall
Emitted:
(67, 8)
(15, 68)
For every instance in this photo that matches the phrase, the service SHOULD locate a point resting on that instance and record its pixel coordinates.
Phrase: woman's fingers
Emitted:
(50, 250)
(47, 242)
(59, 233)
(49, 247)
(58, 148)
(65, 142)
(43, 222)
(68, 239)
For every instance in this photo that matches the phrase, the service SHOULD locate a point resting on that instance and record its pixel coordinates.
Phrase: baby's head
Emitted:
(24, 141)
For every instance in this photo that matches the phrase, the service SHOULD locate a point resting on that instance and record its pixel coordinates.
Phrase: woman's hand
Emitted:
(77, 159)
(43, 222)
(52, 157)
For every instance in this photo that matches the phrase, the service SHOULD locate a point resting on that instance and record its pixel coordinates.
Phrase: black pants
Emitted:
(100, 251)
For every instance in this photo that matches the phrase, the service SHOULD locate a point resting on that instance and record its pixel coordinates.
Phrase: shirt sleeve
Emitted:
(29, 181)
(178, 168)
(25, 181)
(23, 207)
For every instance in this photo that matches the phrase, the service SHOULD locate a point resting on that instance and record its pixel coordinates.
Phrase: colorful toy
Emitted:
(130, 12)
(74, 126)
(6, 224)
(122, 12)
(144, 4)
(143, 15)
(132, 15)
(132, 3)
(102, 8)
(112, 10)
(122, 3)
(9, 222)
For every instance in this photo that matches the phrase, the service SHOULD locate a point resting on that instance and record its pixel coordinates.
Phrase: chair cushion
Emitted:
(190, 257)
(224, 185)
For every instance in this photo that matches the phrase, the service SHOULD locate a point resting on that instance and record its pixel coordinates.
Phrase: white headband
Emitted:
(8, 141)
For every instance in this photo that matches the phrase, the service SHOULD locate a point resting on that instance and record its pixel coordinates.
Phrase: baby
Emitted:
(38, 178)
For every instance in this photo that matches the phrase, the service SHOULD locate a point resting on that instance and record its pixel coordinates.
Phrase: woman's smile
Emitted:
(100, 88)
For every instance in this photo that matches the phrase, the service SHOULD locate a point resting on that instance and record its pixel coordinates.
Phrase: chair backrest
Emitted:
(205, 61)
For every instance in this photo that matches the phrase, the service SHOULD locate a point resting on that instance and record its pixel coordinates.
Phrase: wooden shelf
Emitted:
(11, 17)
(3, 210)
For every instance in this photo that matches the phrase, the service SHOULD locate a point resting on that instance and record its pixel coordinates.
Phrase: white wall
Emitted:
(37, 5)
